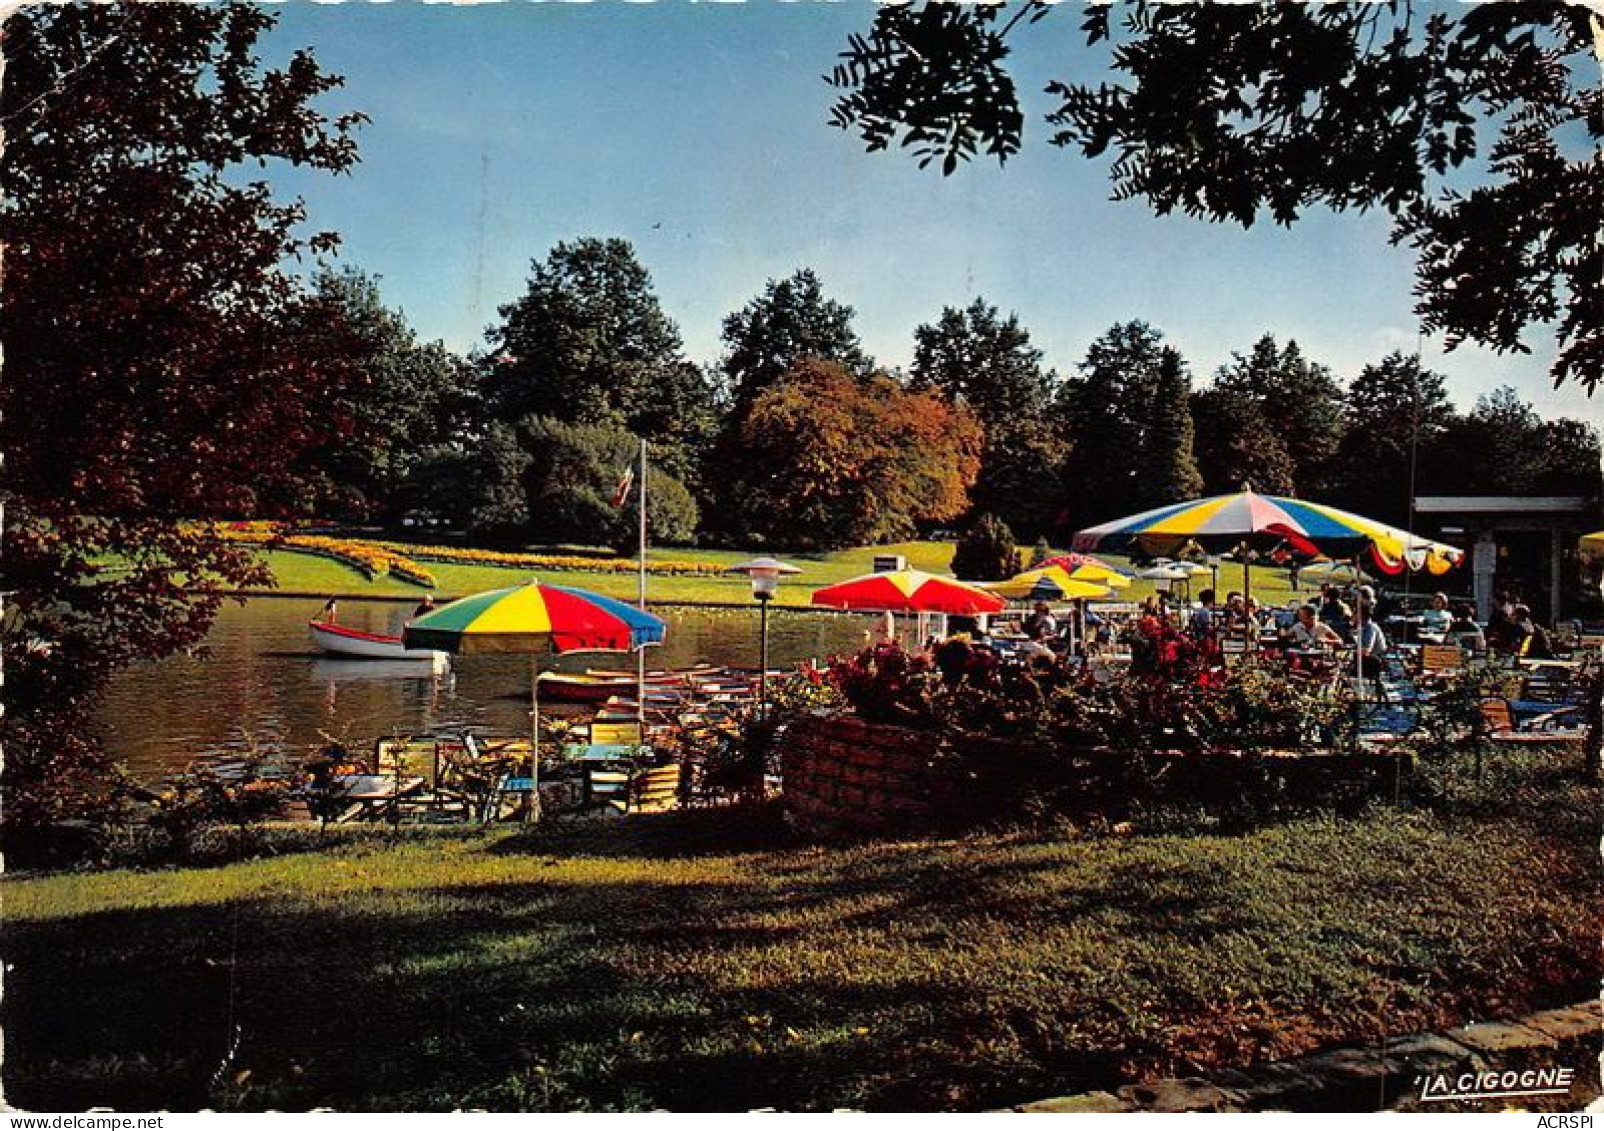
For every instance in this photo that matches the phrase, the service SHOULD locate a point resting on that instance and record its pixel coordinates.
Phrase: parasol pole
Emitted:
(534, 736)
(640, 649)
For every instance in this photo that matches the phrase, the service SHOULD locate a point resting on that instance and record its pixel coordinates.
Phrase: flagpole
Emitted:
(640, 652)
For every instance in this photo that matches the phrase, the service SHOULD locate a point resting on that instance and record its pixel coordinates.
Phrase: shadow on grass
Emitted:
(557, 972)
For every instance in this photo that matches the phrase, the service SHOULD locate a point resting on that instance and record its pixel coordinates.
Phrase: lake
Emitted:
(262, 684)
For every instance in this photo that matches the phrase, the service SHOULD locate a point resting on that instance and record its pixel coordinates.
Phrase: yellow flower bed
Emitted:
(458, 555)
(371, 558)
(400, 559)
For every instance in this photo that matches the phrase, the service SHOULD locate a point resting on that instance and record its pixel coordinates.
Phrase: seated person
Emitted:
(1309, 631)
(1464, 631)
(1371, 642)
(1201, 622)
(953, 658)
(1532, 640)
(1436, 619)
(1334, 611)
(1041, 624)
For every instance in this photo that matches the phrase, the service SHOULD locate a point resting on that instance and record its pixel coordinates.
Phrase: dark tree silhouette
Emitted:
(1476, 127)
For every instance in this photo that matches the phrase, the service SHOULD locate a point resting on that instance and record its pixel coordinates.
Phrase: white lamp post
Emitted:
(765, 574)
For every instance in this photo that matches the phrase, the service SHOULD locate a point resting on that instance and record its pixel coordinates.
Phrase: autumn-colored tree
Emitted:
(834, 460)
(148, 379)
(987, 363)
(791, 320)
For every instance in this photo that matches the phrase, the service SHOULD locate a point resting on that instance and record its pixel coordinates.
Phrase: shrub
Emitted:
(986, 552)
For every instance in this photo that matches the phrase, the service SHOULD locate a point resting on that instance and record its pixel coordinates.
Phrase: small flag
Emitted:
(621, 495)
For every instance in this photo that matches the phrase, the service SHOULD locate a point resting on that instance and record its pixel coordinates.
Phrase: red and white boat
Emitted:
(338, 640)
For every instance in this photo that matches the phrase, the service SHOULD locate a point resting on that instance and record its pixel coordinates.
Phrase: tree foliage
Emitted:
(1128, 411)
(1299, 403)
(790, 321)
(987, 363)
(588, 343)
(986, 552)
(402, 396)
(1236, 444)
(149, 378)
(834, 460)
(1475, 127)
(571, 479)
(1396, 409)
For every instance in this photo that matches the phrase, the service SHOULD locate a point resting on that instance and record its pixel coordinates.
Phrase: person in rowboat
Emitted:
(330, 613)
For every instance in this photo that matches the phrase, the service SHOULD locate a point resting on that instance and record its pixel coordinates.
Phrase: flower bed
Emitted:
(371, 559)
(955, 738)
(457, 555)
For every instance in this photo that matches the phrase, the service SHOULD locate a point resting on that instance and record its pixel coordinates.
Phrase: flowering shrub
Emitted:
(1177, 697)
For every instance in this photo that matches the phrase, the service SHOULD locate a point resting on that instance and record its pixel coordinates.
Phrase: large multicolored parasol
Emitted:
(908, 591)
(535, 617)
(1262, 523)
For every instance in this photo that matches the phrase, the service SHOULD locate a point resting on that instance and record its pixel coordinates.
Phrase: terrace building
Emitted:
(1522, 542)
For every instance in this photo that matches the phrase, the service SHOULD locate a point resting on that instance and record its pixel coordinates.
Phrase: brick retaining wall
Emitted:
(842, 775)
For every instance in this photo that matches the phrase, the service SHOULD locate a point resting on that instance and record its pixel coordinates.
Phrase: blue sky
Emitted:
(698, 132)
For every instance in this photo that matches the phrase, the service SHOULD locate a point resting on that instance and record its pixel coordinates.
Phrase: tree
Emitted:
(1574, 458)
(588, 343)
(1496, 450)
(1168, 468)
(572, 476)
(1300, 405)
(1236, 444)
(1127, 412)
(790, 321)
(986, 363)
(834, 460)
(404, 396)
(1475, 127)
(1396, 412)
(986, 552)
(149, 377)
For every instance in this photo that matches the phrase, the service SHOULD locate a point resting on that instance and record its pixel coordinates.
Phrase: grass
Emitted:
(306, 573)
(706, 961)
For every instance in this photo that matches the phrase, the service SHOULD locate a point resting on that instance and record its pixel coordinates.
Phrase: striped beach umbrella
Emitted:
(1247, 520)
(535, 618)
(1084, 567)
(908, 591)
(1050, 583)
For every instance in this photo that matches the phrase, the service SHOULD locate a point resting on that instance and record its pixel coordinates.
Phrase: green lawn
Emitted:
(703, 960)
(306, 573)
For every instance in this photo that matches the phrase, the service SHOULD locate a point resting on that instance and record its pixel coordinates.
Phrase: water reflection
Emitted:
(262, 685)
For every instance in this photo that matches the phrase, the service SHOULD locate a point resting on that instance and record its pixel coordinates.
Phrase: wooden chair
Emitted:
(1439, 660)
(1501, 726)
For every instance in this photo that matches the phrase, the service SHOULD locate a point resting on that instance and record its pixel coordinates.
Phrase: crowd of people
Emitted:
(1338, 618)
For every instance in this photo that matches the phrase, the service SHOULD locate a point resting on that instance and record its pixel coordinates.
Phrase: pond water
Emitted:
(262, 684)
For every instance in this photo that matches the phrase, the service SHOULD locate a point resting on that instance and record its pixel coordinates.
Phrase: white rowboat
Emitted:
(338, 640)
